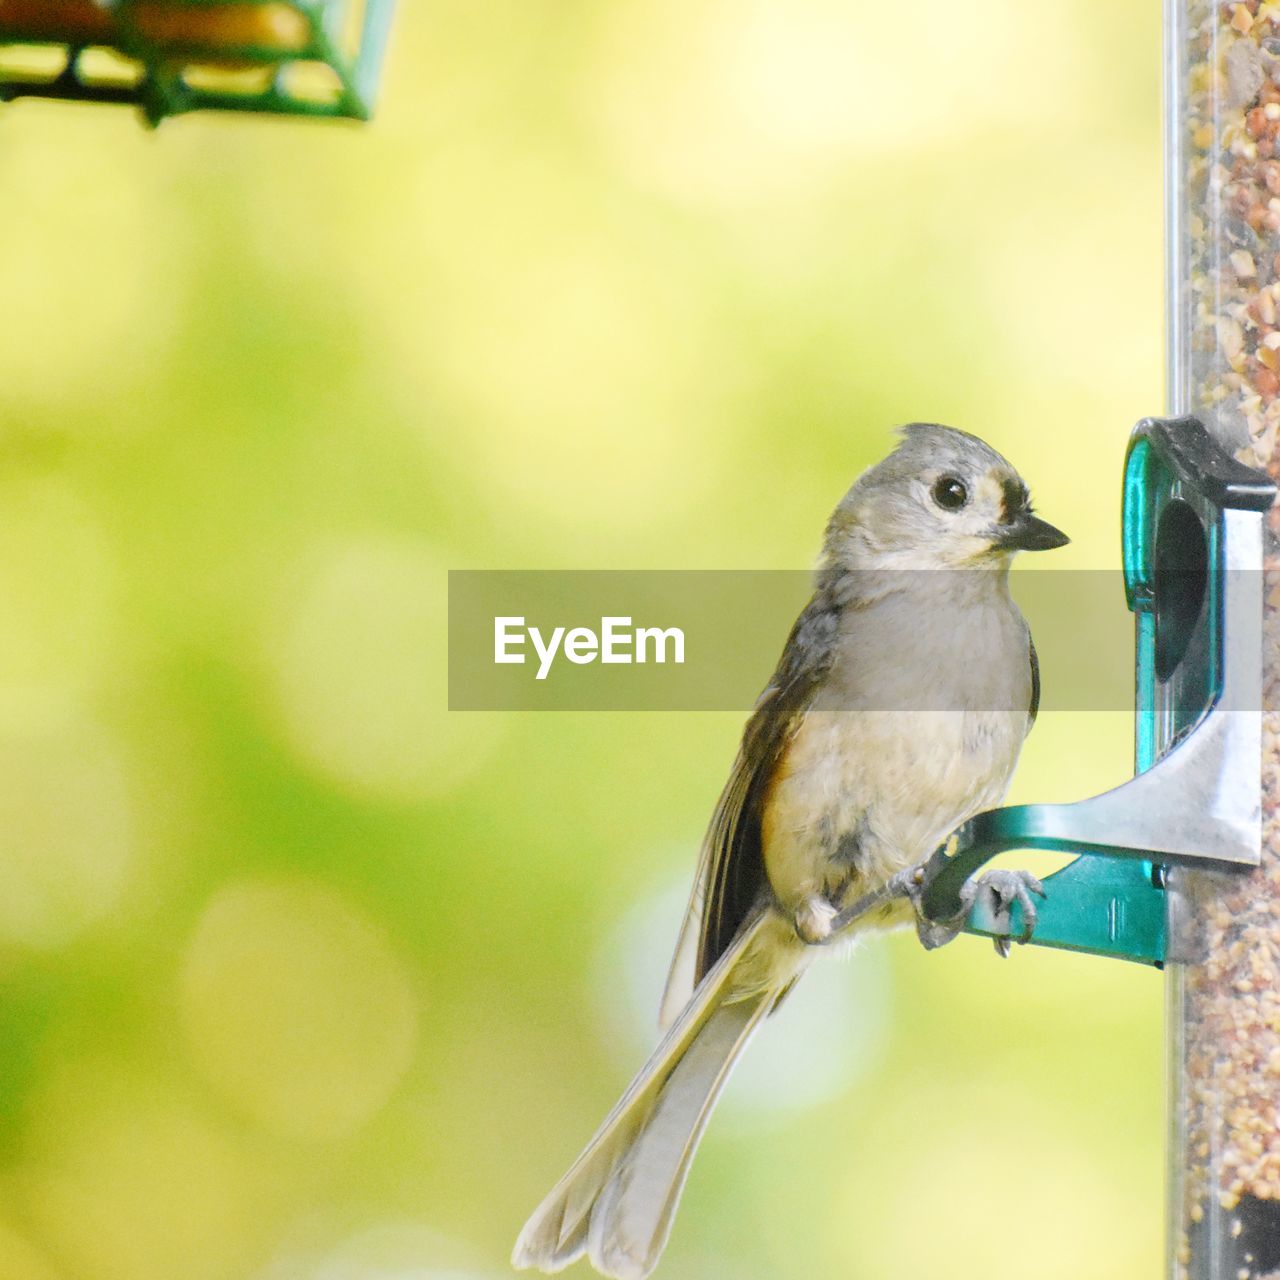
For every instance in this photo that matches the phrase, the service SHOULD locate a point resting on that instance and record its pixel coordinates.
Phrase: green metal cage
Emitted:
(167, 57)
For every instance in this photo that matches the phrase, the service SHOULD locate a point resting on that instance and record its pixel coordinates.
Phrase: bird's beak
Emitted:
(1030, 533)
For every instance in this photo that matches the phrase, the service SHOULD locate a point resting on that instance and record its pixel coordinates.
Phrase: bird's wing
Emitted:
(1034, 709)
(731, 875)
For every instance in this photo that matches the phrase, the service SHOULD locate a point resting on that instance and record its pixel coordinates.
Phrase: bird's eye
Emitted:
(949, 493)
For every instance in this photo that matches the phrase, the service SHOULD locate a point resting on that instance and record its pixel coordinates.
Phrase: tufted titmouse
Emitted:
(897, 712)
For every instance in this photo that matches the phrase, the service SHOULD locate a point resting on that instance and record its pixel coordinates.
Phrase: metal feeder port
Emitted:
(166, 57)
(1193, 538)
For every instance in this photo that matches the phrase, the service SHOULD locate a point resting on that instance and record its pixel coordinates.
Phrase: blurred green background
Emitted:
(303, 977)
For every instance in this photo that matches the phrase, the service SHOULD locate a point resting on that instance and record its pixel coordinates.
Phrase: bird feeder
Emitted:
(280, 57)
(1222, 125)
(1181, 866)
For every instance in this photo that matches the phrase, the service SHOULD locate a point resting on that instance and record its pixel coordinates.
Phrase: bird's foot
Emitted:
(911, 884)
(997, 891)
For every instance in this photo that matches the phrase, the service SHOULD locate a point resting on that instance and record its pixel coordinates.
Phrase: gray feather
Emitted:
(632, 1218)
(619, 1197)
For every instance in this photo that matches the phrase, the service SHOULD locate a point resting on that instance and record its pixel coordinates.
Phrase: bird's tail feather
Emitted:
(633, 1214)
(617, 1201)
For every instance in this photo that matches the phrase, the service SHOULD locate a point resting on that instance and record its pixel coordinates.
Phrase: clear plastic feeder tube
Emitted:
(1223, 203)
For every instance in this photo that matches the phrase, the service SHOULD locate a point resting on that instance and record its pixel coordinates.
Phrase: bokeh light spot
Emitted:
(730, 102)
(20, 1260)
(126, 1180)
(57, 592)
(65, 814)
(359, 669)
(295, 1007)
(981, 1189)
(90, 298)
(395, 1249)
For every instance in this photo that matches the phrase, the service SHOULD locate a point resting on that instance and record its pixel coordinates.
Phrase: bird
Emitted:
(897, 711)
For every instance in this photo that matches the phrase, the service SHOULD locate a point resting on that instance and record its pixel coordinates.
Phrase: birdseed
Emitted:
(1225, 1008)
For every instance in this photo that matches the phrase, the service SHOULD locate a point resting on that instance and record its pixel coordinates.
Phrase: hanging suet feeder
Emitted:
(281, 57)
(1193, 548)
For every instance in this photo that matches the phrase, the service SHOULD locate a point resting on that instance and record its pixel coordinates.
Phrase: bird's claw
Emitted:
(911, 884)
(997, 891)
